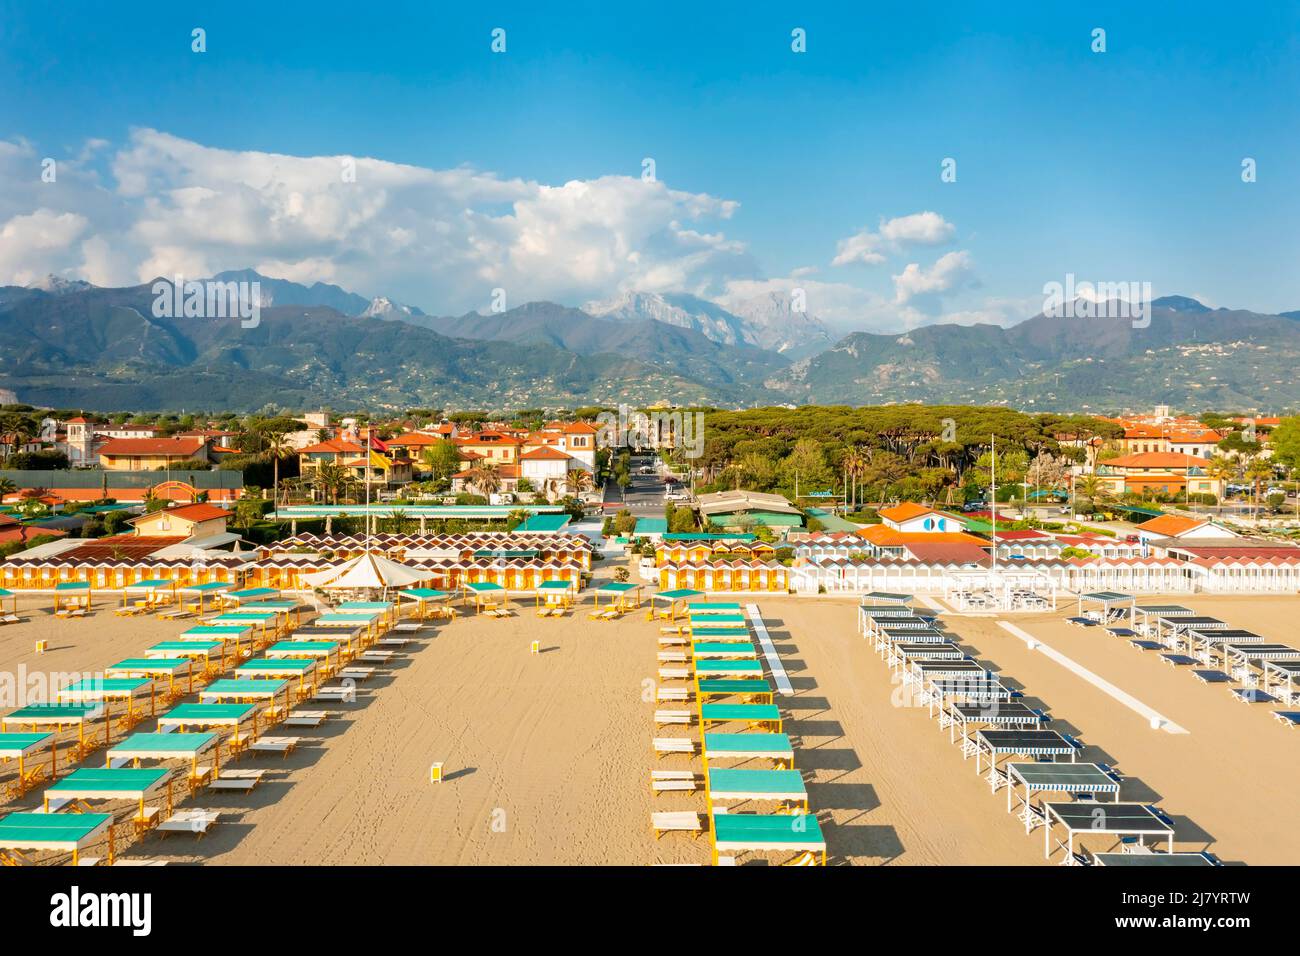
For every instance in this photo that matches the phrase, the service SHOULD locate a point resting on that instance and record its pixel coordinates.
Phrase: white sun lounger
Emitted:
(676, 821)
(375, 657)
(674, 745)
(673, 673)
(346, 695)
(275, 745)
(672, 657)
(672, 716)
(408, 627)
(668, 781)
(355, 672)
(239, 780)
(392, 641)
(676, 694)
(182, 821)
(307, 718)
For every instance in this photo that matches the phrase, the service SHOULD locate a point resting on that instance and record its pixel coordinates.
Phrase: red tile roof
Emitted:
(1154, 459)
(175, 447)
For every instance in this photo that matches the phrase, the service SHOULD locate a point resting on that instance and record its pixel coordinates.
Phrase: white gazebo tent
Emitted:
(366, 572)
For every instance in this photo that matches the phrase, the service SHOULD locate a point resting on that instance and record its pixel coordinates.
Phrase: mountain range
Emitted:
(67, 343)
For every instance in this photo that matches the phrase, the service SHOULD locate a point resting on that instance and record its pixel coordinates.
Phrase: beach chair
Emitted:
(677, 822)
(356, 673)
(1081, 621)
(240, 781)
(391, 641)
(1125, 632)
(307, 718)
(672, 640)
(345, 695)
(672, 781)
(146, 820)
(608, 614)
(1253, 695)
(1288, 718)
(672, 657)
(672, 694)
(1211, 677)
(674, 745)
(197, 822)
(673, 629)
(376, 657)
(408, 627)
(672, 716)
(275, 745)
(673, 673)
(1146, 645)
(1178, 660)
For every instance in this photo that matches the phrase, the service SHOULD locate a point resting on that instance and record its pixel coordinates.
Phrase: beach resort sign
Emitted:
(208, 299)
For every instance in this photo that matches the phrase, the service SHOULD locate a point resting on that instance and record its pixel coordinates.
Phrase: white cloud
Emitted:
(29, 242)
(871, 248)
(439, 238)
(950, 272)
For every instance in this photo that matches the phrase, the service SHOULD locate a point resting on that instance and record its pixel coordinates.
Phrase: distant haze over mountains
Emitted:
(66, 342)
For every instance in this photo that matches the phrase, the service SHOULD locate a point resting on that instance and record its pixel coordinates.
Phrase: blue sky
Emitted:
(1123, 165)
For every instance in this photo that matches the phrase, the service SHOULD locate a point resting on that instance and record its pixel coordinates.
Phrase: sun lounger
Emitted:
(184, 821)
(1146, 645)
(677, 694)
(1178, 660)
(1081, 621)
(677, 821)
(1289, 718)
(674, 745)
(307, 718)
(1126, 632)
(674, 673)
(672, 716)
(673, 640)
(392, 641)
(356, 673)
(238, 780)
(1253, 695)
(408, 627)
(672, 781)
(275, 745)
(672, 657)
(345, 695)
(1211, 677)
(375, 657)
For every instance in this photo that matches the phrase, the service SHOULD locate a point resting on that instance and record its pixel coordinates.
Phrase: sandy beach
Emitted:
(547, 757)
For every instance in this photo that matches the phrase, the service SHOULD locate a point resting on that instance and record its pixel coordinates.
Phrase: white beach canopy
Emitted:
(367, 570)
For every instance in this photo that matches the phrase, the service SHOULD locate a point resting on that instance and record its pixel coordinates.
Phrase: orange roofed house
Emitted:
(909, 524)
(1163, 472)
(151, 454)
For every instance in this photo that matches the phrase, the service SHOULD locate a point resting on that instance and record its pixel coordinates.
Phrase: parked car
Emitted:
(676, 496)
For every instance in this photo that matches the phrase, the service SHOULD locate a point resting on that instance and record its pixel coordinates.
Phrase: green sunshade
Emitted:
(19, 745)
(195, 713)
(288, 665)
(734, 686)
(778, 831)
(482, 586)
(555, 586)
(774, 782)
(248, 687)
(165, 666)
(752, 744)
(72, 586)
(740, 712)
(618, 587)
(142, 745)
(422, 594)
(678, 595)
(730, 668)
(52, 712)
(110, 779)
(55, 830)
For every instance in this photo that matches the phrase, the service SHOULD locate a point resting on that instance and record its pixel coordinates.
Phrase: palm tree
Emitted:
(1259, 469)
(855, 465)
(330, 478)
(578, 481)
(486, 477)
(1223, 469)
(278, 449)
(7, 487)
